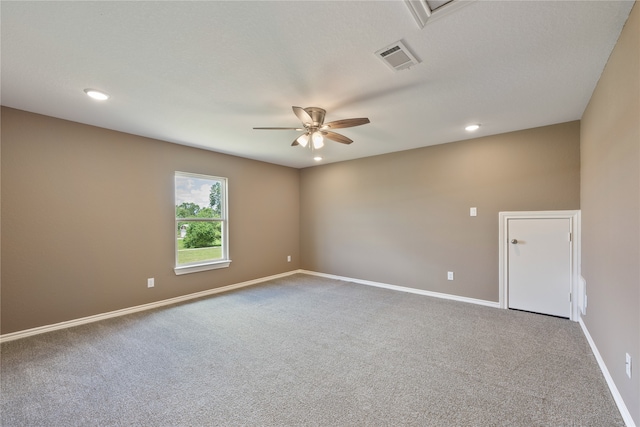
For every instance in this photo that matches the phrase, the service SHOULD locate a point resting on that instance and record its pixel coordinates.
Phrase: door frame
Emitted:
(503, 256)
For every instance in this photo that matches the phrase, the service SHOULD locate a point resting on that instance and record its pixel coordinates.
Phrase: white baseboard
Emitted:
(123, 312)
(626, 415)
(405, 289)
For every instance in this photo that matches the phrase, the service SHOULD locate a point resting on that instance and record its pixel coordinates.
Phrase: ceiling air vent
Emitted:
(397, 56)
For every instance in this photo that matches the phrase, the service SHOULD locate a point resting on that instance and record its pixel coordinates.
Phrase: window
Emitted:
(201, 230)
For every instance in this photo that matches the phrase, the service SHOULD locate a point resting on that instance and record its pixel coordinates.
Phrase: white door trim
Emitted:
(574, 217)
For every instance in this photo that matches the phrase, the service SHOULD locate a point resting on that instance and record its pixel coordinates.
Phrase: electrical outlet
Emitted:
(288, 258)
(627, 365)
(449, 275)
(150, 283)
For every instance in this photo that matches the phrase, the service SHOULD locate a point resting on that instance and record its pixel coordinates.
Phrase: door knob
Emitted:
(514, 241)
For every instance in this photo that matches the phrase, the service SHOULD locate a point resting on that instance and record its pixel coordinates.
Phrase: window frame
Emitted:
(197, 266)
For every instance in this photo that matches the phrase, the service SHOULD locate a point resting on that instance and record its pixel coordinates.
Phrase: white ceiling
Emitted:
(205, 73)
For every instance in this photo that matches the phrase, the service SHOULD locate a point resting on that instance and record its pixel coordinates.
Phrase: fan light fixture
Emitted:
(303, 139)
(96, 94)
(318, 140)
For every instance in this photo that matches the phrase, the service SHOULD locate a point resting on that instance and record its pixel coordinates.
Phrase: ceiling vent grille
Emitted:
(397, 56)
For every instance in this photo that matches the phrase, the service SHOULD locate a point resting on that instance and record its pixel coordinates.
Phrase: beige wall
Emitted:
(610, 150)
(88, 216)
(403, 218)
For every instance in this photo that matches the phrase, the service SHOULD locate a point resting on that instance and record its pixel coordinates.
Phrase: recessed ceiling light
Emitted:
(472, 128)
(96, 94)
(317, 158)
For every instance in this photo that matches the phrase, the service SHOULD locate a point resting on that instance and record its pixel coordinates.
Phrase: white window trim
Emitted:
(195, 268)
(214, 264)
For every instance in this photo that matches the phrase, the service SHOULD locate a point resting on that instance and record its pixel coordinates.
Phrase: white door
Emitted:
(539, 265)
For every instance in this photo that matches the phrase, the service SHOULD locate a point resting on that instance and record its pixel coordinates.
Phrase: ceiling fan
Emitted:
(316, 130)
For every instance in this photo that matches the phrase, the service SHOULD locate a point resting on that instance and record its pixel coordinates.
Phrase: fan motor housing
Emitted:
(317, 115)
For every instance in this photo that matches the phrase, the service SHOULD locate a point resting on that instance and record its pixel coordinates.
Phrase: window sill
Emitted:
(187, 269)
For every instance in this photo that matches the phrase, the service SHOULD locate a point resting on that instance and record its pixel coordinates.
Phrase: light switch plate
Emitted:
(473, 211)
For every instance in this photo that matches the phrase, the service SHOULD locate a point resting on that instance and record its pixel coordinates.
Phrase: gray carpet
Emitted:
(304, 350)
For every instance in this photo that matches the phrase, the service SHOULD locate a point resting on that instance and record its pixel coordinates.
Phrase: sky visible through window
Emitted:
(193, 190)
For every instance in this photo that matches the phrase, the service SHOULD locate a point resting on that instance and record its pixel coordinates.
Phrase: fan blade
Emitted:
(298, 129)
(302, 115)
(346, 123)
(337, 137)
(295, 142)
